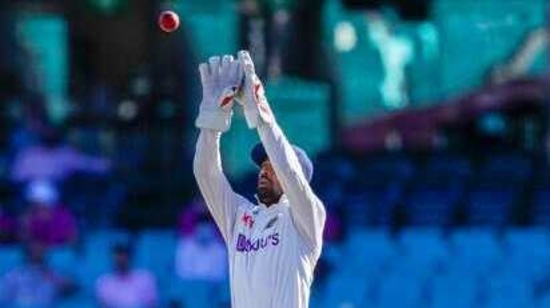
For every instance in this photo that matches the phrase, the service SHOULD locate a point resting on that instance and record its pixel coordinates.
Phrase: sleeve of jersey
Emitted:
(221, 200)
(308, 212)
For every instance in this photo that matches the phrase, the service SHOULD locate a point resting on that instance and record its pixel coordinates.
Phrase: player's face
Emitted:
(269, 188)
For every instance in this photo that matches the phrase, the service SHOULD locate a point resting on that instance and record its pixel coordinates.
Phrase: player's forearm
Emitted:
(216, 190)
(308, 211)
(207, 167)
(282, 157)
(207, 160)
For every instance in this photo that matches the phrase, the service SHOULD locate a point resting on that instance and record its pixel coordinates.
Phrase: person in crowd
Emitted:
(202, 255)
(53, 160)
(46, 220)
(126, 286)
(34, 283)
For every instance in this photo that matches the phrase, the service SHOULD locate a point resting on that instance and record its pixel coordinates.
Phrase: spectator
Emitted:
(47, 221)
(126, 287)
(53, 160)
(202, 255)
(33, 284)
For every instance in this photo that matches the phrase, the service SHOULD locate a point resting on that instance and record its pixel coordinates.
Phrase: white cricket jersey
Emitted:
(272, 251)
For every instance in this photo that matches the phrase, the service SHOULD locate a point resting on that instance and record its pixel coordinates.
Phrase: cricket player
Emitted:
(272, 246)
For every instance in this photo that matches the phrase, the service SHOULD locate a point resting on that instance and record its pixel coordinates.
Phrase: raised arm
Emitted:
(221, 200)
(306, 209)
(220, 79)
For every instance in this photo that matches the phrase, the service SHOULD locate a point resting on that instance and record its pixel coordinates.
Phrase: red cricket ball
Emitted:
(169, 21)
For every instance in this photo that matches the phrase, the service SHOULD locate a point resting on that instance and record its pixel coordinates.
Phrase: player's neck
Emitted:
(269, 201)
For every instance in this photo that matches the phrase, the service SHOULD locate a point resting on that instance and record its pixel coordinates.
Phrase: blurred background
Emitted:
(427, 120)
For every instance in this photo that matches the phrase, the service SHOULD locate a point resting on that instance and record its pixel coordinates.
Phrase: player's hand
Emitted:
(252, 94)
(220, 78)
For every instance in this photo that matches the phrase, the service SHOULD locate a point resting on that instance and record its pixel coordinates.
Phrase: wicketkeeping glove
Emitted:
(220, 79)
(252, 95)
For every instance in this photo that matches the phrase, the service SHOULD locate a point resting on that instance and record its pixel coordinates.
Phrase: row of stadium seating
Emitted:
(424, 267)
(437, 189)
(417, 267)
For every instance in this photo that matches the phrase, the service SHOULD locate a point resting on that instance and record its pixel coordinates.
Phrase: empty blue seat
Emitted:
(456, 289)
(532, 242)
(155, 250)
(401, 290)
(506, 169)
(373, 205)
(346, 289)
(445, 168)
(80, 300)
(432, 206)
(508, 290)
(368, 250)
(424, 245)
(10, 257)
(194, 294)
(388, 168)
(543, 301)
(64, 260)
(475, 251)
(528, 253)
(491, 206)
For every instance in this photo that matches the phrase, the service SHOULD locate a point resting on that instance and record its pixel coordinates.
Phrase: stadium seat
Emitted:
(454, 290)
(528, 253)
(543, 301)
(445, 169)
(508, 290)
(10, 257)
(476, 251)
(346, 289)
(194, 294)
(491, 206)
(437, 190)
(531, 242)
(401, 290)
(387, 168)
(424, 247)
(373, 205)
(64, 260)
(368, 251)
(155, 250)
(434, 206)
(505, 170)
(77, 300)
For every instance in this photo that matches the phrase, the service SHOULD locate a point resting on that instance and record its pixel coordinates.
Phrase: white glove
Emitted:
(220, 82)
(252, 95)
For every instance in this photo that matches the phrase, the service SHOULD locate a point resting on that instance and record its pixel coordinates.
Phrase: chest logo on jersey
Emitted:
(245, 244)
(271, 222)
(248, 220)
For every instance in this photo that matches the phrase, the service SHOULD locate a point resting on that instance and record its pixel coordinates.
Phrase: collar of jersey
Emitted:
(282, 202)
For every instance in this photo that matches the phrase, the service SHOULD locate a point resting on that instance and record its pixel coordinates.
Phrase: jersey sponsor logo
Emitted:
(248, 220)
(245, 244)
